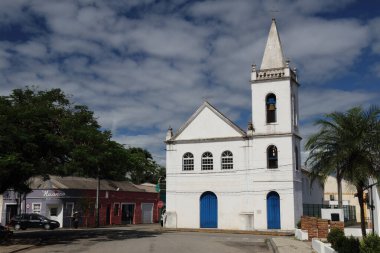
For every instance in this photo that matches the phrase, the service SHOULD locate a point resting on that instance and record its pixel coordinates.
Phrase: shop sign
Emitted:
(53, 194)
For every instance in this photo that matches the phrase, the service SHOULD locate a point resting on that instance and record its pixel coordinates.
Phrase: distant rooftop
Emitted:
(56, 182)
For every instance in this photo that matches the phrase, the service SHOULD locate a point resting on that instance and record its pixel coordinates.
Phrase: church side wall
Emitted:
(184, 188)
(241, 192)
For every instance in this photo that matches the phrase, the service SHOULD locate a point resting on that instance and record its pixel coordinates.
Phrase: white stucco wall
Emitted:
(311, 194)
(283, 90)
(207, 124)
(241, 191)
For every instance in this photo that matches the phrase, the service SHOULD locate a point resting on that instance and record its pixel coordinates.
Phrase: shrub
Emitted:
(348, 245)
(335, 236)
(370, 244)
(299, 224)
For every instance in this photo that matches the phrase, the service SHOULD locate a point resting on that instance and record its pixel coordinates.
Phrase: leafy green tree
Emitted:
(142, 167)
(347, 144)
(42, 133)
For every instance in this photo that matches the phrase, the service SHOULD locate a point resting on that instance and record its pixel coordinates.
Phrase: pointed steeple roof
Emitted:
(273, 55)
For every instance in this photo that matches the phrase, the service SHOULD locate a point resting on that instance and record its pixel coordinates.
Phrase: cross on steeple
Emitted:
(206, 98)
(273, 11)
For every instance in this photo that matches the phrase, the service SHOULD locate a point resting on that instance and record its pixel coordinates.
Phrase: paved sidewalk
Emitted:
(290, 245)
(15, 248)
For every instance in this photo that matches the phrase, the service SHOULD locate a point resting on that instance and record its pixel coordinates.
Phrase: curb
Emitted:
(272, 245)
(226, 231)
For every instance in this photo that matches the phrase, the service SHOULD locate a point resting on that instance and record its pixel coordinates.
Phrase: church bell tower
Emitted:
(275, 113)
(274, 91)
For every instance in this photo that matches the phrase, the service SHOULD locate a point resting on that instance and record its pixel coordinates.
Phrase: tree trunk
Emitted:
(339, 183)
(361, 205)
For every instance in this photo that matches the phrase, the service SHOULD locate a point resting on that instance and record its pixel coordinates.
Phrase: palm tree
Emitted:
(347, 145)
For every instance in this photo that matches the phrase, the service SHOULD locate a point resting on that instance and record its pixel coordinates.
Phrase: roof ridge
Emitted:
(213, 109)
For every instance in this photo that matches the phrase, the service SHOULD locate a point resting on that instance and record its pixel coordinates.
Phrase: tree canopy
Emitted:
(42, 133)
(347, 145)
(143, 167)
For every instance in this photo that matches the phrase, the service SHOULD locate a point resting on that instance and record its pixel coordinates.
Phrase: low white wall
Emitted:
(301, 235)
(326, 213)
(321, 247)
(356, 232)
(171, 220)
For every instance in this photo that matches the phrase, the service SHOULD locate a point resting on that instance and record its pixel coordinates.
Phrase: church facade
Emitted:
(220, 176)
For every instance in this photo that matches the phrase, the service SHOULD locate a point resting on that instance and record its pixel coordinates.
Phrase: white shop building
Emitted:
(220, 176)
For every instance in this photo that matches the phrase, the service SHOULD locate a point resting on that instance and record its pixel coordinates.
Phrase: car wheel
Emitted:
(17, 227)
(47, 226)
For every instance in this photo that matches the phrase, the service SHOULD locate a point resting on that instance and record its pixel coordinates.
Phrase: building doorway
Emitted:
(273, 211)
(10, 211)
(108, 214)
(208, 210)
(54, 212)
(147, 213)
(127, 213)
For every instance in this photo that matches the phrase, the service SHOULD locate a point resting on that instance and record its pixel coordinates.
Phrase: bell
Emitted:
(272, 107)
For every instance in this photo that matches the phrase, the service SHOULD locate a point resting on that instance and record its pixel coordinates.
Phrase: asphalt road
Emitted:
(139, 239)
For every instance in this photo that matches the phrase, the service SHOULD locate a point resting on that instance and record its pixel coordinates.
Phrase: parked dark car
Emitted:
(5, 233)
(33, 220)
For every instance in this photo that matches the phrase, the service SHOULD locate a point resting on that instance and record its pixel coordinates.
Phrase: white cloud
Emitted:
(374, 26)
(151, 142)
(142, 74)
(320, 101)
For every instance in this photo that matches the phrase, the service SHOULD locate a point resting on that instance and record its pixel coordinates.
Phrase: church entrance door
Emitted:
(209, 210)
(273, 210)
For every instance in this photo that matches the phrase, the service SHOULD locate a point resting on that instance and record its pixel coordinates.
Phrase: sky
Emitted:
(145, 65)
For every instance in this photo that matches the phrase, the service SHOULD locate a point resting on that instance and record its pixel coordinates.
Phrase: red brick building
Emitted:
(120, 202)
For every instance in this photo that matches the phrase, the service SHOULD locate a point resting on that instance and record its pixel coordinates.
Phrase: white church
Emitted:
(220, 176)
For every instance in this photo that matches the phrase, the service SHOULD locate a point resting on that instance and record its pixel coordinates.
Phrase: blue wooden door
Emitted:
(209, 210)
(273, 210)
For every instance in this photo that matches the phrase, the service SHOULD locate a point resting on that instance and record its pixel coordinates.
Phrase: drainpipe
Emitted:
(25, 202)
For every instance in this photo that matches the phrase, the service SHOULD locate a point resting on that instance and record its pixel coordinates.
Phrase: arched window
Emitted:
(227, 160)
(207, 161)
(271, 108)
(296, 156)
(272, 157)
(188, 161)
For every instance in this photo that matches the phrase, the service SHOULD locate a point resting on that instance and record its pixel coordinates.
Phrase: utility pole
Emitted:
(97, 199)
(371, 205)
